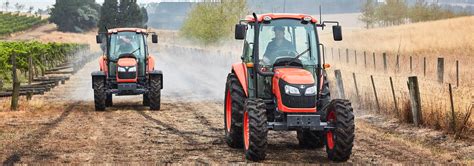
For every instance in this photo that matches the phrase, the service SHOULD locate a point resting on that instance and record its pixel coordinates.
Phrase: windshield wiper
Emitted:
(135, 50)
(298, 56)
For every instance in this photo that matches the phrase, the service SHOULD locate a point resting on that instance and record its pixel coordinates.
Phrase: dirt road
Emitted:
(63, 127)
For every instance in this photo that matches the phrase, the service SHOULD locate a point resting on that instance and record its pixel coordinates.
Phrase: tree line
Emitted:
(396, 12)
(84, 15)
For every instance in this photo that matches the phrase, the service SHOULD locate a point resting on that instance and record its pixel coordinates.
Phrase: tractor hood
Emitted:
(294, 75)
(127, 62)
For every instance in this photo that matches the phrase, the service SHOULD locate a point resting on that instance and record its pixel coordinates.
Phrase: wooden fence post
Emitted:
(340, 85)
(440, 70)
(375, 93)
(332, 54)
(355, 85)
(347, 55)
(355, 56)
(394, 97)
(16, 85)
(411, 64)
(339, 52)
(365, 59)
(457, 73)
(30, 70)
(384, 56)
(424, 66)
(453, 115)
(415, 100)
(375, 68)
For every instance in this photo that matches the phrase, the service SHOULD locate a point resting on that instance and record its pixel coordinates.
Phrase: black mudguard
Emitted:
(158, 73)
(97, 75)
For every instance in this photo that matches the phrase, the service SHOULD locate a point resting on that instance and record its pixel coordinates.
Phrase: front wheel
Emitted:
(255, 129)
(340, 140)
(100, 95)
(233, 112)
(154, 95)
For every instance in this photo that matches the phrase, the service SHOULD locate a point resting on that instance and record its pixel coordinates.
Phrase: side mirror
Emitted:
(337, 33)
(154, 38)
(98, 39)
(240, 30)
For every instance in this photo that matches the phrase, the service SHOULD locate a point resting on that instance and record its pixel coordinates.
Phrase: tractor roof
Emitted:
(250, 18)
(138, 30)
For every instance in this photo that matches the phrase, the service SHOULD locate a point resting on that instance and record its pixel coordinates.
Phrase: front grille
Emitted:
(127, 75)
(296, 101)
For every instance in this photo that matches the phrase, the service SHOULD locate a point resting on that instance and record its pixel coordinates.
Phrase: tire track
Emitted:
(33, 139)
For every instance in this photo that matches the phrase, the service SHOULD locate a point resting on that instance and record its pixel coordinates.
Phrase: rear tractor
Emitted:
(126, 68)
(281, 85)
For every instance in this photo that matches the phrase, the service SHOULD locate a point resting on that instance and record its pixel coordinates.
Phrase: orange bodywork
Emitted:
(260, 17)
(240, 70)
(292, 76)
(116, 30)
(126, 62)
(150, 63)
(103, 64)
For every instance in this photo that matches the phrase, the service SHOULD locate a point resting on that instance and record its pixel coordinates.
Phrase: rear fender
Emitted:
(103, 64)
(97, 76)
(240, 70)
(156, 73)
(150, 63)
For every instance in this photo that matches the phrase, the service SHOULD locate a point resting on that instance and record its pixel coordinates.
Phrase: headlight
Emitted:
(132, 69)
(121, 69)
(310, 91)
(291, 90)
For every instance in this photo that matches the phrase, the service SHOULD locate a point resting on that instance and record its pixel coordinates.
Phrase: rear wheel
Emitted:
(109, 101)
(154, 94)
(233, 112)
(100, 96)
(310, 139)
(339, 141)
(255, 129)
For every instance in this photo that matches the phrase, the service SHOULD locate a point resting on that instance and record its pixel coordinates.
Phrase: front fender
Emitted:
(240, 70)
(150, 63)
(103, 64)
(97, 76)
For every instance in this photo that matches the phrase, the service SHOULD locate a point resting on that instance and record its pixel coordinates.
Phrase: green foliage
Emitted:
(396, 12)
(10, 23)
(125, 14)
(75, 15)
(43, 55)
(209, 23)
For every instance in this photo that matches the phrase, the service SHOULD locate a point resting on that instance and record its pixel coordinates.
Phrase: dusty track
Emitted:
(189, 128)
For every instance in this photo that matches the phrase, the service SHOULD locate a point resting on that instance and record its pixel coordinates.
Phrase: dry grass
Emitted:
(451, 39)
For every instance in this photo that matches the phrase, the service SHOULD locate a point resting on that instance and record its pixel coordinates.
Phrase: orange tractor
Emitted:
(126, 68)
(281, 85)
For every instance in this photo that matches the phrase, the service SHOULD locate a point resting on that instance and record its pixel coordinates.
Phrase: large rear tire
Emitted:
(255, 129)
(154, 95)
(233, 112)
(310, 139)
(100, 95)
(339, 141)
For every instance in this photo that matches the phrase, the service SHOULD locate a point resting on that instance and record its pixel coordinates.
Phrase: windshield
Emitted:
(126, 43)
(287, 38)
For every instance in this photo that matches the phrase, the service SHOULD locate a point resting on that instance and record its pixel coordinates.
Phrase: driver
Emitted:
(125, 45)
(279, 43)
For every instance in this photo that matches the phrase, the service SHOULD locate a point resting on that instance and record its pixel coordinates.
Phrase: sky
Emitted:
(44, 3)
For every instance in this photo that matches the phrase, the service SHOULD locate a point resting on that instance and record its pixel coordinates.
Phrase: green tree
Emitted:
(211, 22)
(368, 14)
(108, 15)
(75, 15)
(127, 13)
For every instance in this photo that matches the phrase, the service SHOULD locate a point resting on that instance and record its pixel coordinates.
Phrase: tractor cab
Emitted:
(281, 85)
(126, 68)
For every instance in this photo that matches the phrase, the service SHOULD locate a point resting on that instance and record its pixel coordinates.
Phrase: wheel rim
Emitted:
(329, 136)
(246, 130)
(228, 111)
